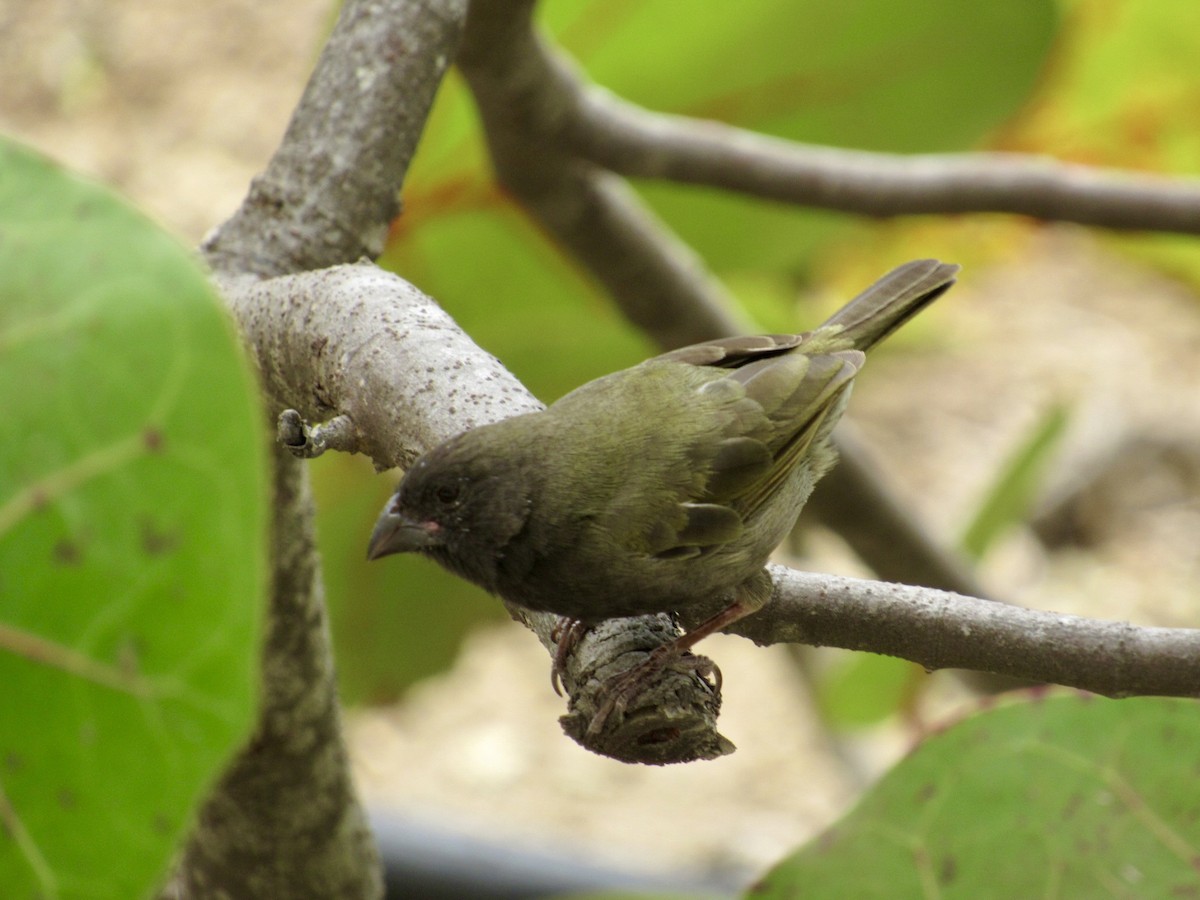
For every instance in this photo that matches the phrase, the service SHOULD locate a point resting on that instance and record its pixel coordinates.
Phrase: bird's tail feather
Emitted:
(891, 301)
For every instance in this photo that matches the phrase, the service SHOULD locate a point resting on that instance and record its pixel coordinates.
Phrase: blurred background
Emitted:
(1043, 418)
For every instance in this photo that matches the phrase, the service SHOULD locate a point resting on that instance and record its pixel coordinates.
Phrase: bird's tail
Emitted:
(891, 301)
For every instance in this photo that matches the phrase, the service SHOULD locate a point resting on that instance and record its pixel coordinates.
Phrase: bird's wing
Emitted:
(800, 396)
(758, 405)
(742, 431)
(783, 405)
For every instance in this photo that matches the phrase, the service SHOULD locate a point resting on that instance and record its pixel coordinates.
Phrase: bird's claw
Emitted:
(567, 633)
(625, 686)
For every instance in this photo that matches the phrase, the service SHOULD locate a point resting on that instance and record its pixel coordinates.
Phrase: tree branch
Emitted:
(940, 629)
(632, 141)
(283, 820)
(359, 342)
(330, 190)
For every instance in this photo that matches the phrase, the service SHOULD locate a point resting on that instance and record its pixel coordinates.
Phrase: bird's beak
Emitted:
(395, 533)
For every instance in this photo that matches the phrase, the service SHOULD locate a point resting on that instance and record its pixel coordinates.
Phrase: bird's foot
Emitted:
(624, 687)
(567, 634)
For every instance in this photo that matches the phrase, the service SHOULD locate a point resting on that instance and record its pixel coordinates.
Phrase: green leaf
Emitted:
(1062, 796)
(1121, 93)
(867, 74)
(132, 538)
(1016, 484)
(865, 688)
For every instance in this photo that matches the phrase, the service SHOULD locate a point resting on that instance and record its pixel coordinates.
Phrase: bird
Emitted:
(659, 488)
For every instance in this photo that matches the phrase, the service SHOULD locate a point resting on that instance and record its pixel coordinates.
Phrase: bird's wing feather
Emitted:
(756, 422)
(731, 352)
(890, 302)
(797, 399)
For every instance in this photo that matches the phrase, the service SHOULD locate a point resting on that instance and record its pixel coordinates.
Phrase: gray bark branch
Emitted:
(330, 191)
(634, 142)
(283, 820)
(940, 629)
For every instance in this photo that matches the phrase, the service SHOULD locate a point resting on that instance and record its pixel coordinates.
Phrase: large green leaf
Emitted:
(1063, 796)
(1122, 93)
(132, 538)
(864, 73)
(871, 74)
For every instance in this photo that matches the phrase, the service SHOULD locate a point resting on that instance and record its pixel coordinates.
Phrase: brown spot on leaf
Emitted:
(158, 541)
(129, 655)
(154, 439)
(948, 870)
(1074, 802)
(67, 553)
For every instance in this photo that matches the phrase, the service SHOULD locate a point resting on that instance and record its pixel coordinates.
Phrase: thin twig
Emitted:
(638, 143)
(940, 629)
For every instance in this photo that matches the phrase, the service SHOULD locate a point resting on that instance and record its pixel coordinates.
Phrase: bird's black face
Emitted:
(457, 506)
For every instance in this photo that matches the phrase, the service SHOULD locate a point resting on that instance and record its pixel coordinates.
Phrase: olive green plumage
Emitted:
(655, 487)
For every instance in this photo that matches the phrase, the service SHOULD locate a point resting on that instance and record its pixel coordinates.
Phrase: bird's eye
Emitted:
(447, 493)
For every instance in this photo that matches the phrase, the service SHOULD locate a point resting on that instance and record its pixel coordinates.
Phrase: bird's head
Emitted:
(461, 503)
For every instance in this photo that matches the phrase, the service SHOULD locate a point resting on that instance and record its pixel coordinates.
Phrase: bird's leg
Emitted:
(567, 634)
(624, 687)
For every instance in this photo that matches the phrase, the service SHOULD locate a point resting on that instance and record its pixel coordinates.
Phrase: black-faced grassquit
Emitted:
(654, 488)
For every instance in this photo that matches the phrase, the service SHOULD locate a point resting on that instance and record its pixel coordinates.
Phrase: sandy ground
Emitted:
(179, 104)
